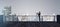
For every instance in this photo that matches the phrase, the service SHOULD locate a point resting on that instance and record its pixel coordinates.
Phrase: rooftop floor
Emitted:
(32, 24)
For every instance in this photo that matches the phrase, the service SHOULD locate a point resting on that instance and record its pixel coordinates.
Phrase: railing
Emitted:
(36, 18)
(31, 18)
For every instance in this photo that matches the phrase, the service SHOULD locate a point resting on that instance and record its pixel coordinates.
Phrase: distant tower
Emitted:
(6, 13)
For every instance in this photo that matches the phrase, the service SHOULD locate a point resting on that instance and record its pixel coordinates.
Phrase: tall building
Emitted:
(6, 12)
(7, 16)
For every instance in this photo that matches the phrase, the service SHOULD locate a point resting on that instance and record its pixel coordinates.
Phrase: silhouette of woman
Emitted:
(39, 15)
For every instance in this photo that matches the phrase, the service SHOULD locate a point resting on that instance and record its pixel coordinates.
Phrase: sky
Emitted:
(31, 7)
